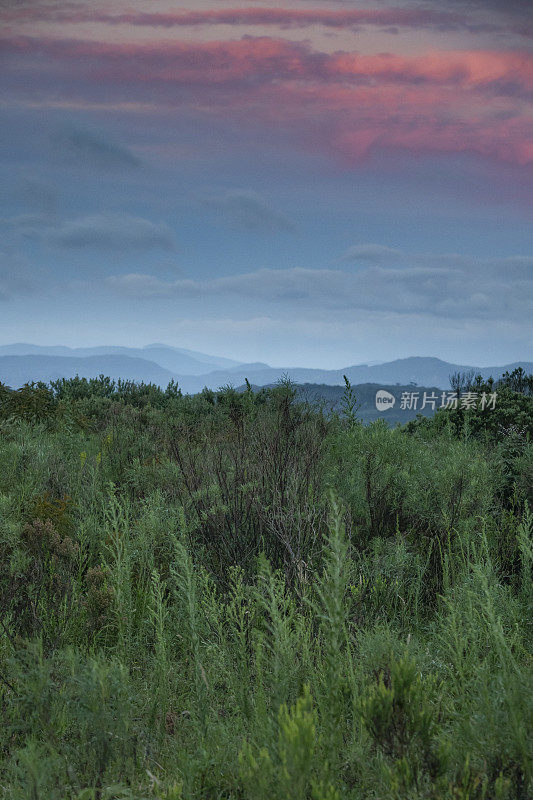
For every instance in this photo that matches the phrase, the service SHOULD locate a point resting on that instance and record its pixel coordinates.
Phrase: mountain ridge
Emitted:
(175, 359)
(161, 363)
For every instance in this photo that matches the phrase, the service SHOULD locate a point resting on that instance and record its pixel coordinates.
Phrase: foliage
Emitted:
(234, 596)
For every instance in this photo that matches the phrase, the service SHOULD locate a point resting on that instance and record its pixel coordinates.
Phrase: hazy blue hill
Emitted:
(216, 362)
(425, 371)
(23, 349)
(420, 370)
(185, 362)
(255, 366)
(173, 360)
(17, 370)
(193, 371)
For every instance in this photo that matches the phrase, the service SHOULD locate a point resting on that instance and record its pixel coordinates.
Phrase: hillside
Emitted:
(175, 359)
(194, 371)
(17, 370)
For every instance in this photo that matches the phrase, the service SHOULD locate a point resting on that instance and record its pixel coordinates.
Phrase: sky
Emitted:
(313, 183)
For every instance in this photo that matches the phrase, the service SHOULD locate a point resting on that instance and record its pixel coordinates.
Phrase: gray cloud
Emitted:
(453, 288)
(372, 253)
(95, 150)
(515, 15)
(510, 266)
(506, 6)
(30, 226)
(247, 211)
(112, 232)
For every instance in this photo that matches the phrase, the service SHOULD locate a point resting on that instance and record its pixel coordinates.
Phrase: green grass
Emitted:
(231, 596)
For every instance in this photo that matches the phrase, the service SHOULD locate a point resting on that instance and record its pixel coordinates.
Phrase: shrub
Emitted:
(233, 596)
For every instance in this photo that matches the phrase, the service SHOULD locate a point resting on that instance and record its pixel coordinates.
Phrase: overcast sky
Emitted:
(315, 183)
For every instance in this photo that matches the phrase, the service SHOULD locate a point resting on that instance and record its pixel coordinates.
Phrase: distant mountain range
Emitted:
(158, 363)
(174, 359)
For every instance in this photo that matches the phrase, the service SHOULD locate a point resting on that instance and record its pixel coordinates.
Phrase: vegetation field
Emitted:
(235, 595)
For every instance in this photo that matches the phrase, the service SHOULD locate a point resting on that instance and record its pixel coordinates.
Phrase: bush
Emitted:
(233, 596)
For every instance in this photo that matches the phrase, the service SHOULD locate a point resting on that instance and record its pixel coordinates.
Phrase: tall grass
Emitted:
(235, 597)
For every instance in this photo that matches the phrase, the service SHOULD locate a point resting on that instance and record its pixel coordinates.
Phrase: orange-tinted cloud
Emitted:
(443, 102)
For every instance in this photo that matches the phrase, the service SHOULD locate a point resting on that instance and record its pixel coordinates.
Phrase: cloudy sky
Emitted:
(310, 183)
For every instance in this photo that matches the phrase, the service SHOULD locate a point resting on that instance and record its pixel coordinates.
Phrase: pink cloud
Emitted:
(265, 59)
(468, 69)
(285, 18)
(353, 105)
